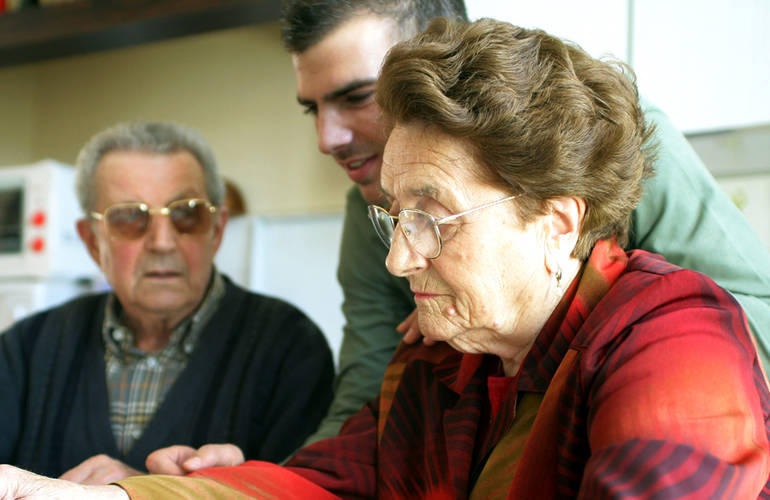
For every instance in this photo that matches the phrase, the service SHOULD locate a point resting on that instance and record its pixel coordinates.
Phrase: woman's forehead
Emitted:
(420, 161)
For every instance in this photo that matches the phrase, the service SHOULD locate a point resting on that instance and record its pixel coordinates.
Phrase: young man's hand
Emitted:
(410, 328)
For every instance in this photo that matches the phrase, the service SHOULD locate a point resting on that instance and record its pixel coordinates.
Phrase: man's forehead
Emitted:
(135, 173)
(133, 157)
(352, 52)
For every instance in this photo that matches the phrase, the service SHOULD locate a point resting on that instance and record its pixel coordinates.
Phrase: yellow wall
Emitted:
(236, 86)
(17, 116)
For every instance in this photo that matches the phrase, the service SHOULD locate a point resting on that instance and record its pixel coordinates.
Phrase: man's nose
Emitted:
(402, 260)
(161, 235)
(333, 132)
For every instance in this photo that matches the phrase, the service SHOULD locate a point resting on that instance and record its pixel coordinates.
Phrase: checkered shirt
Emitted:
(137, 381)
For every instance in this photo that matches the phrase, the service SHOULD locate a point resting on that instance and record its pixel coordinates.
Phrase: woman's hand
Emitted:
(19, 484)
(410, 327)
(180, 460)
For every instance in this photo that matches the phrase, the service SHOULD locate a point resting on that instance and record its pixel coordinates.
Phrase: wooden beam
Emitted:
(38, 33)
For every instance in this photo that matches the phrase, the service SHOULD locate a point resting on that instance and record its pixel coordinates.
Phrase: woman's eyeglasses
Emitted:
(129, 221)
(421, 229)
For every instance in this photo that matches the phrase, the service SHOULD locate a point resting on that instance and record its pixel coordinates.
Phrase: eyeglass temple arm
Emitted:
(450, 218)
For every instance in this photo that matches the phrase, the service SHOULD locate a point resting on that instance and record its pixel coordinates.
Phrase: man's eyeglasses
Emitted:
(130, 221)
(422, 230)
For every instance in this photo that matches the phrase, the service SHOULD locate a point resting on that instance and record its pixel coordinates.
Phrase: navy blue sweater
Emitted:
(260, 377)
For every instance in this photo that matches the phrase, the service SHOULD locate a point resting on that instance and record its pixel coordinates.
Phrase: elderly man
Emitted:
(175, 353)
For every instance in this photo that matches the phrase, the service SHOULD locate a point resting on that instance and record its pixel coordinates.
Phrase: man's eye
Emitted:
(359, 97)
(310, 109)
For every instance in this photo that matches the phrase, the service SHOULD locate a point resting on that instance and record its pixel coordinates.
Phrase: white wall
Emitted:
(18, 92)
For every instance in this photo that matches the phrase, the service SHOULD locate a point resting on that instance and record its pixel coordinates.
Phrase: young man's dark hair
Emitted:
(305, 22)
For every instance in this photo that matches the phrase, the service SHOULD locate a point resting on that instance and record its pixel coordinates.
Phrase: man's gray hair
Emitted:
(148, 137)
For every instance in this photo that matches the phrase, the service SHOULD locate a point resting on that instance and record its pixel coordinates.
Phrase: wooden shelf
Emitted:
(39, 33)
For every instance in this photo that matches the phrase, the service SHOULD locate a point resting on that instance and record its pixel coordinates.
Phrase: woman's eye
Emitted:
(433, 207)
(447, 230)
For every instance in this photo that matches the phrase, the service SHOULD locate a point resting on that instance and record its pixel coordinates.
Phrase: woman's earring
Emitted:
(558, 276)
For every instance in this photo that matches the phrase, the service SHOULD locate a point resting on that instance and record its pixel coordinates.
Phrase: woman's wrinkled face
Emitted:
(487, 290)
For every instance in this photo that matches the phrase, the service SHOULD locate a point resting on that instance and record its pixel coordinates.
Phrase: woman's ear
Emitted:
(562, 227)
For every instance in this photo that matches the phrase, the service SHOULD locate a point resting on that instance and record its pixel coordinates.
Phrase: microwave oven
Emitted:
(38, 212)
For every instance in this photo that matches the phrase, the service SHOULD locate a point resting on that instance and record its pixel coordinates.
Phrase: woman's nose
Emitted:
(402, 259)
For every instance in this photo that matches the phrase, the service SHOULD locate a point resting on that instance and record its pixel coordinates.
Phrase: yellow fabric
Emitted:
(158, 487)
(504, 458)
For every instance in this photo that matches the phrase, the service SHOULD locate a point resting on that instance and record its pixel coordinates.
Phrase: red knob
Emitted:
(38, 218)
(37, 244)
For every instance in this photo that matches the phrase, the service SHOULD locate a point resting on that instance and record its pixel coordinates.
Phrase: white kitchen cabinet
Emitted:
(291, 257)
(751, 193)
(706, 63)
(598, 26)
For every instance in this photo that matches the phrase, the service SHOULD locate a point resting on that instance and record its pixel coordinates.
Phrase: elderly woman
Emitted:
(569, 367)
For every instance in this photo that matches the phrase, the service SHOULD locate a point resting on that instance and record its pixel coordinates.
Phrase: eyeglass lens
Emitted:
(418, 227)
(131, 221)
(384, 225)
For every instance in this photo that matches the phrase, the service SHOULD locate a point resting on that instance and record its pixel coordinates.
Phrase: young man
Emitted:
(337, 47)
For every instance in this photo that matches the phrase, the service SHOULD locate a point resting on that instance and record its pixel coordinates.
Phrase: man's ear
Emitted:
(562, 228)
(220, 222)
(87, 235)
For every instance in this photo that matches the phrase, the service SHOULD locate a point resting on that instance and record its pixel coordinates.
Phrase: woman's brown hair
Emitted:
(541, 114)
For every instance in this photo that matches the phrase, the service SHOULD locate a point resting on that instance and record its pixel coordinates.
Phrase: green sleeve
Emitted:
(687, 218)
(374, 303)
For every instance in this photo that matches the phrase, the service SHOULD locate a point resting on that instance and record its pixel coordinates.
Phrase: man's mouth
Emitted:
(361, 171)
(162, 274)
